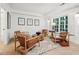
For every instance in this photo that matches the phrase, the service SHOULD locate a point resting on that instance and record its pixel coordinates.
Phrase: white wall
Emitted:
(0, 21)
(31, 29)
(5, 6)
(71, 21)
(77, 28)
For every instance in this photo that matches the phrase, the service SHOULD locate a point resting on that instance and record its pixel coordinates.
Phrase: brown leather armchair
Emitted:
(62, 40)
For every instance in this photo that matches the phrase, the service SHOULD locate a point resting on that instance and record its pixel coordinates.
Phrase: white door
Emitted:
(77, 28)
(3, 25)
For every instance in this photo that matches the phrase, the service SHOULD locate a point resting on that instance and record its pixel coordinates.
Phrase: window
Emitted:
(61, 24)
(57, 24)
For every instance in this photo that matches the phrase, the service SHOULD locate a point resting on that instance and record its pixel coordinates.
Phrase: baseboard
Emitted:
(75, 41)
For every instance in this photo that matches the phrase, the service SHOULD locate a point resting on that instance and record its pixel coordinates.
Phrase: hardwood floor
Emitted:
(73, 49)
(8, 49)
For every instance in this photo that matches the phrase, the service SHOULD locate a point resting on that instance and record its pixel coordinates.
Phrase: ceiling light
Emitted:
(62, 4)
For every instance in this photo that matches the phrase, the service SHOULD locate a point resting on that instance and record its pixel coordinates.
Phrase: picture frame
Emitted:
(21, 21)
(8, 20)
(29, 21)
(36, 22)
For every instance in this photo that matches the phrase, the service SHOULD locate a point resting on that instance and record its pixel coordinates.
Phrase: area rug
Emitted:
(44, 46)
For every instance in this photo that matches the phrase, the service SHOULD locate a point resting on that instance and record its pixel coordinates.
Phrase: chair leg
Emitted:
(15, 45)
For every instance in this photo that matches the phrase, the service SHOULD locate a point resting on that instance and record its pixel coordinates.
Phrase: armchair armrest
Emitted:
(30, 42)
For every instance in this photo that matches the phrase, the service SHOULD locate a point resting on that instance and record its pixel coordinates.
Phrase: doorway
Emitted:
(3, 25)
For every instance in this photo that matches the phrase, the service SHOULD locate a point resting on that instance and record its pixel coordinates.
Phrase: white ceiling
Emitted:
(40, 8)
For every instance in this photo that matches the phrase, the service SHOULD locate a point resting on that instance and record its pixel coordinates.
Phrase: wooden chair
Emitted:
(16, 34)
(27, 44)
(45, 32)
(52, 34)
(19, 38)
(62, 40)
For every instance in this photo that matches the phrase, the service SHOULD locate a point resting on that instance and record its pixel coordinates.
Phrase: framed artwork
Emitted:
(36, 22)
(21, 21)
(8, 20)
(29, 21)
